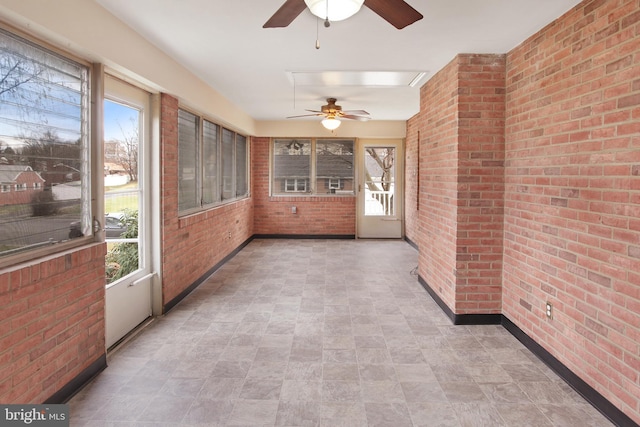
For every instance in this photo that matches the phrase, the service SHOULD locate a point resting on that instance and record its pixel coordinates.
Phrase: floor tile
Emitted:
(321, 333)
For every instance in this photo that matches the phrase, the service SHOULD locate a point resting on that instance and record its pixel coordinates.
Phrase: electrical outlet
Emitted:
(229, 235)
(549, 310)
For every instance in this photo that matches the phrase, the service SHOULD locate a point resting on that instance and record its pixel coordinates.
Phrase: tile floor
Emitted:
(323, 333)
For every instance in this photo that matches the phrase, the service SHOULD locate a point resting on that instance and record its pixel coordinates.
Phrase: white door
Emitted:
(380, 189)
(127, 201)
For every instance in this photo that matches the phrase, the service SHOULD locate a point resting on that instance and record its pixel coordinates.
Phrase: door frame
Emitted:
(378, 227)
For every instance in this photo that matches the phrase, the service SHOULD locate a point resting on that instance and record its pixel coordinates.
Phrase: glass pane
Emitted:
(44, 197)
(379, 181)
(122, 189)
(187, 160)
(227, 164)
(291, 165)
(241, 166)
(334, 167)
(210, 186)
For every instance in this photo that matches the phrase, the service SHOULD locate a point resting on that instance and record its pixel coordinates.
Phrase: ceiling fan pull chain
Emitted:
(327, 24)
(317, 33)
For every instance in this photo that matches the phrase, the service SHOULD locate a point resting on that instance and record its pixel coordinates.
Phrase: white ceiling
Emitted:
(223, 43)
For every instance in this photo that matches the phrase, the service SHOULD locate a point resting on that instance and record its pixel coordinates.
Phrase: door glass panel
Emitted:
(379, 181)
(122, 190)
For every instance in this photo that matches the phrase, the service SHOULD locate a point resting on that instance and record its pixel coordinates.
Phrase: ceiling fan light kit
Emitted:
(334, 10)
(331, 123)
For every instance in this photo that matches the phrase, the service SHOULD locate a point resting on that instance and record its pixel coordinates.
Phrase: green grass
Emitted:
(122, 202)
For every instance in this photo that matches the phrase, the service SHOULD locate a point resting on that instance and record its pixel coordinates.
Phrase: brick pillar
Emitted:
(462, 183)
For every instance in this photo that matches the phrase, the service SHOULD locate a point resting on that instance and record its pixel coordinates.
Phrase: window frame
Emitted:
(311, 182)
(226, 191)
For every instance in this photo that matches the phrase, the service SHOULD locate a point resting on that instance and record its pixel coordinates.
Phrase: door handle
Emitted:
(143, 278)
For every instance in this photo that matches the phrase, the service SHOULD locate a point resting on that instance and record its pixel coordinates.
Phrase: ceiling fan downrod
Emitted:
(327, 24)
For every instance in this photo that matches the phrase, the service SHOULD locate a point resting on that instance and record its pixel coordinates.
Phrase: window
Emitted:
(188, 147)
(295, 185)
(212, 162)
(241, 166)
(334, 166)
(227, 164)
(44, 149)
(332, 172)
(210, 183)
(334, 184)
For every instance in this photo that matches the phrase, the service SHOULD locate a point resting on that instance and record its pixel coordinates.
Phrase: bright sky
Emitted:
(118, 122)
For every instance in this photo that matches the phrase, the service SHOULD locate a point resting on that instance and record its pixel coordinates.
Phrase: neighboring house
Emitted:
(18, 184)
(334, 174)
(114, 175)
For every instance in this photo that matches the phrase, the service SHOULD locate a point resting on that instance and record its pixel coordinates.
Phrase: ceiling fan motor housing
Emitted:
(331, 106)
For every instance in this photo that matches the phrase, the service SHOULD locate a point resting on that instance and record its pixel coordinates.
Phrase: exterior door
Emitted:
(126, 206)
(380, 189)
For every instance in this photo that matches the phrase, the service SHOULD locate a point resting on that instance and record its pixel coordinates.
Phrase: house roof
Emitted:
(327, 166)
(10, 173)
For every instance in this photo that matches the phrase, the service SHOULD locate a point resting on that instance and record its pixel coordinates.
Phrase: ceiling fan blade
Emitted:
(397, 12)
(359, 112)
(353, 117)
(305, 115)
(286, 14)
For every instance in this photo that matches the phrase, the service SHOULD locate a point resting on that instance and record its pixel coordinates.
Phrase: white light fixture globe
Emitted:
(337, 9)
(331, 123)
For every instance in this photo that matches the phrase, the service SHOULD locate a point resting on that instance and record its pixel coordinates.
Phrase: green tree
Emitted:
(122, 259)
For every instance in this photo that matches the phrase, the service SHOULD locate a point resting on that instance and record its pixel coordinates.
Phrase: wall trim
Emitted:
(412, 243)
(591, 395)
(79, 381)
(304, 236)
(169, 305)
(461, 319)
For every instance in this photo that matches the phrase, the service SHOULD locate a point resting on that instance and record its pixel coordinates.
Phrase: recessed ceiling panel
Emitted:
(356, 78)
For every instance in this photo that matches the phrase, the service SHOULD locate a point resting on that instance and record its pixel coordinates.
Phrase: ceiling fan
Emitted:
(397, 12)
(333, 112)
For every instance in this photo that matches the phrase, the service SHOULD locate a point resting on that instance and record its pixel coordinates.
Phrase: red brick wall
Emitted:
(480, 102)
(439, 182)
(315, 215)
(52, 325)
(192, 245)
(572, 200)
(411, 176)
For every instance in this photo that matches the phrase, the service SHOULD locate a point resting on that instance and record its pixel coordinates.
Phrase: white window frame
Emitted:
(334, 183)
